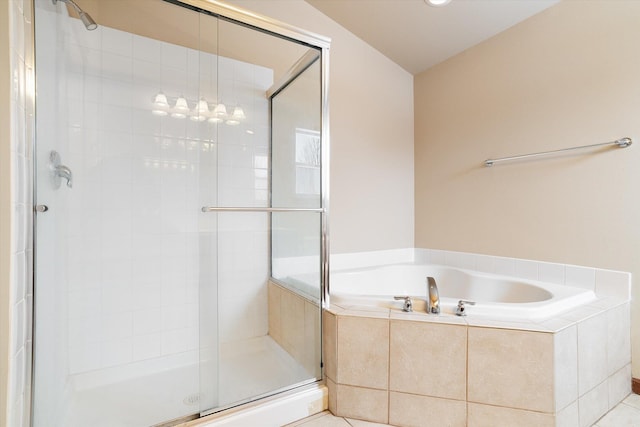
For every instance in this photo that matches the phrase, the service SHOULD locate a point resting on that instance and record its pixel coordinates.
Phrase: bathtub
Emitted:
(500, 297)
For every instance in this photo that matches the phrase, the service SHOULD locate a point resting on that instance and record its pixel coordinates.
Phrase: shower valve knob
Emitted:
(59, 171)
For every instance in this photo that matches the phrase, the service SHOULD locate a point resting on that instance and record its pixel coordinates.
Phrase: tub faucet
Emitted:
(461, 310)
(433, 298)
(408, 305)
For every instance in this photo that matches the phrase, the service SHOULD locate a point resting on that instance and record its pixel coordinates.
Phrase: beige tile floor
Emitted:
(626, 414)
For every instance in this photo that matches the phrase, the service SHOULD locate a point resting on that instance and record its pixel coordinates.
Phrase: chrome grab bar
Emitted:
(259, 209)
(622, 143)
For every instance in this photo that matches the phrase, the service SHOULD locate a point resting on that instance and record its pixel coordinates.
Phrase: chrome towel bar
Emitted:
(622, 143)
(259, 209)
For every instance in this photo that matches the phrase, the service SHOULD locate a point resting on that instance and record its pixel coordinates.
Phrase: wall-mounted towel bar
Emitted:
(622, 143)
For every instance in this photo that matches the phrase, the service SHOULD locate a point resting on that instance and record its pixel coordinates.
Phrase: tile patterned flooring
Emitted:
(626, 414)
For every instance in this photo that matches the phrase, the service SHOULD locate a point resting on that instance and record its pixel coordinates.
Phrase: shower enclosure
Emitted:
(181, 187)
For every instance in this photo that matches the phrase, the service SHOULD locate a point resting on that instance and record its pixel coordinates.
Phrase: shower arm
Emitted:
(86, 19)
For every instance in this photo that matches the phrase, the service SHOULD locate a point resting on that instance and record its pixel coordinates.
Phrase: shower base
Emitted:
(246, 368)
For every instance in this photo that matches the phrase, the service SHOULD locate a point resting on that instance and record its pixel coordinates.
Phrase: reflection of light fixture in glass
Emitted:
(236, 117)
(238, 113)
(163, 105)
(181, 108)
(437, 2)
(160, 100)
(220, 111)
(160, 104)
(201, 111)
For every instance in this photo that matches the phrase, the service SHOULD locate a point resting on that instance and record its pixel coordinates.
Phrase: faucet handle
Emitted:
(408, 304)
(461, 310)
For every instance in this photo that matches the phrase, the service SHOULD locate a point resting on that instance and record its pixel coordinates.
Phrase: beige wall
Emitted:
(371, 135)
(568, 76)
(5, 207)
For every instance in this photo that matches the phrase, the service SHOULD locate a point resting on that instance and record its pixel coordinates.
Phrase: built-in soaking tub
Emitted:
(494, 295)
(529, 353)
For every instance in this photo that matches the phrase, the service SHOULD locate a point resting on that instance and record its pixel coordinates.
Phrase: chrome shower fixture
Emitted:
(86, 19)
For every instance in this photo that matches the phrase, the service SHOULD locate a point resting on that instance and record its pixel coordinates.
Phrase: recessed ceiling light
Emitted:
(436, 3)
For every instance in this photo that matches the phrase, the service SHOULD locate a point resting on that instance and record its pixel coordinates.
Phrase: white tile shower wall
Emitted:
(21, 134)
(133, 212)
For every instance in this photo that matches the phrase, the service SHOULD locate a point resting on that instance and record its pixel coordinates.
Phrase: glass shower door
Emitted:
(262, 349)
(119, 170)
(148, 308)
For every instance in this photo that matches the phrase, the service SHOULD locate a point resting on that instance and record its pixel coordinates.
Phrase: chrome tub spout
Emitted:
(433, 298)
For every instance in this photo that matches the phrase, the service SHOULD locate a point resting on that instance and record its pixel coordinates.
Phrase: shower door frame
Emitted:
(277, 29)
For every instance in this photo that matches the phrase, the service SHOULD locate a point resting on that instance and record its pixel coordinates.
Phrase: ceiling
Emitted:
(417, 36)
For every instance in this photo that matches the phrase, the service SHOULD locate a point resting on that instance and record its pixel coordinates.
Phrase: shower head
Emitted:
(86, 19)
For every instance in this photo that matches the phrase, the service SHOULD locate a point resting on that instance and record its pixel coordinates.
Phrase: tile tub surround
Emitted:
(470, 371)
(294, 323)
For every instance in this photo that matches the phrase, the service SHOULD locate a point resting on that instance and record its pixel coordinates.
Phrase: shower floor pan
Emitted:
(247, 368)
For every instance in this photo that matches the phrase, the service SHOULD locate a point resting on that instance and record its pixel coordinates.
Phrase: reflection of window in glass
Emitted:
(261, 173)
(307, 162)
